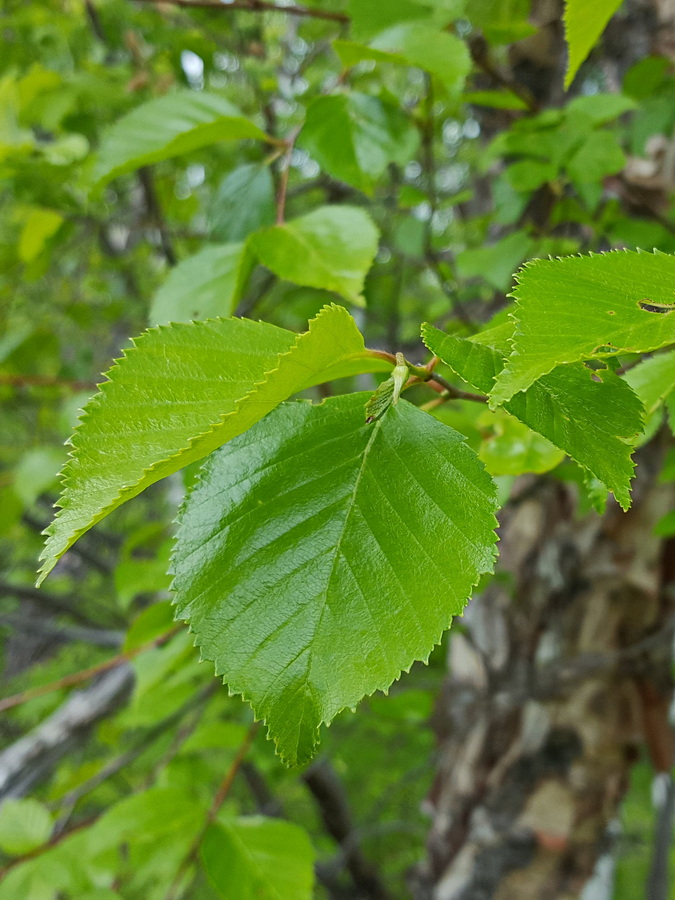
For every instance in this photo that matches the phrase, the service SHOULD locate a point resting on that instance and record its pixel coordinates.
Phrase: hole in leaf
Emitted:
(596, 377)
(595, 364)
(649, 306)
(605, 348)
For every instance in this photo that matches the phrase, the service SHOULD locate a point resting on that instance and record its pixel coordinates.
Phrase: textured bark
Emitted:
(560, 675)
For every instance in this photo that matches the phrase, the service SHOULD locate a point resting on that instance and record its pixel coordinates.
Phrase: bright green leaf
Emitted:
(511, 448)
(170, 126)
(372, 134)
(585, 20)
(583, 307)
(318, 556)
(595, 422)
(38, 227)
(414, 44)
(653, 379)
(24, 825)
(258, 859)
(242, 203)
(179, 393)
(331, 248)
(203, 286)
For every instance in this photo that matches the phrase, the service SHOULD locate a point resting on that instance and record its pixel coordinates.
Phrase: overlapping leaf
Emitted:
(372, 134)
(203, 286)
(330, 248)
(170, 126)
(585, 20)
(594, 421)
(319, 556)
(182, 391)
(653, 380)
(590, 306)
(258, 858)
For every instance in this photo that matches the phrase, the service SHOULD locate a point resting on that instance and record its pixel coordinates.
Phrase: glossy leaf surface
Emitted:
(318, 557)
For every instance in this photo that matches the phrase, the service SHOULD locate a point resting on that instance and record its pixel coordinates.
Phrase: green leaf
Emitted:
(372, 134)
(598, 156)
(501, 21)
(24, 825)
(368, 17)
(258, 859)
(318, 557)
(414, 44)
(653, 379)
(170, 126)
(179, 393)
(496, 262)
(585, 307)
(330, 248)
(585, 20)
(511, 448)
(242, 203)
(203, 286)
(592, 421)
(389, 392)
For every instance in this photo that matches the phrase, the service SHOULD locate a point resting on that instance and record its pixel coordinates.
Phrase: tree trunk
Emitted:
(559, 672)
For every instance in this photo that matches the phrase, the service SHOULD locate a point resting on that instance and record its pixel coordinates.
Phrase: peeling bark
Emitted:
(561, 673)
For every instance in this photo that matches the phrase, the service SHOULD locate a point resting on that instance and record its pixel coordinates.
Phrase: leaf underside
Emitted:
(318, 557)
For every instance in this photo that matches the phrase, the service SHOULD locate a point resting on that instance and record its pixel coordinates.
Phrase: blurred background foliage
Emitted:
(468, 164)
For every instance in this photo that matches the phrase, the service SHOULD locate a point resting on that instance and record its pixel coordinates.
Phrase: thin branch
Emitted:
(426, 375)
(22, 381)
(113, 766)
(85, 674)
(257, 6)
(97, 637)
(282, 191)
(155, 213)
(218, 800)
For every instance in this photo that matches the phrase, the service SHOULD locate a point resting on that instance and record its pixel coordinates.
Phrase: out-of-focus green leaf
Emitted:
(204, 286)
(354, 137)
(170, 126)
(24, 825)
(258, 859)
(242, 203)
(653, 379)
(331, 248)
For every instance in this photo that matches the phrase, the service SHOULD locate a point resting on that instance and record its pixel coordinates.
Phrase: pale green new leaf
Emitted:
(330, 248)
(179, 393)
(170, 126)
(582, 307)
(511, 448)
(595, 422)
(319, 556)
(414, 44)
(585, 20)
(653, 380)
(24, 825)
(258, 859)
(203, 286)
(372, 134)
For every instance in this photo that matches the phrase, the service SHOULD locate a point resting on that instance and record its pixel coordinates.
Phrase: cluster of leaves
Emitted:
(322, 547)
